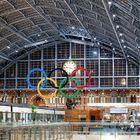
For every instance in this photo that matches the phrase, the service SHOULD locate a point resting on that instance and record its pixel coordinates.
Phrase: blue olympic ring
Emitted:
(28, 78)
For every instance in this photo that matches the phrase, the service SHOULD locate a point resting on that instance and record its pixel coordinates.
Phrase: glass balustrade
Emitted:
(70, 131)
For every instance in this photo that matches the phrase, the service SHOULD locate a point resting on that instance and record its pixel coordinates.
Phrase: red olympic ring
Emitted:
(89, 77)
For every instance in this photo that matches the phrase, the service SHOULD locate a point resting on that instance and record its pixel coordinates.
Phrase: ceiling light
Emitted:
(113, 49)
(114, 15)
(73, 27)
(117, 26)
(124, 46)
(98, 43)
(38, 35)
(110, 44)
(16, 51)
(95, 53)
(127, 55)
(8, 47)
(122, 40)
(94, 38)
(109, 2)
(120, 34)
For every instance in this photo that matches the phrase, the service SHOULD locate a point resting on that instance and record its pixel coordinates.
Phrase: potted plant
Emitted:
(34, 113)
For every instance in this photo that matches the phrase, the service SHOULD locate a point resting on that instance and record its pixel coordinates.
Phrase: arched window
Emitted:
(102, 98)
(4, 98)
(53, 101)
(0, 98)
(15, 99)
(123, 98)
(91, 99)
(61, 100)
(133, 97)
(24, 99)
(114, 97)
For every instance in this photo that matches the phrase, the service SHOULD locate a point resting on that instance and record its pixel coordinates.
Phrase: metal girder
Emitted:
(110, 19)
(15, 10)
(126, 11)
(18, 34)
(13, 31)
(5, 58)
(78, 19)
(133, 3)
(129, 13)
(43, 42)
(46, 19)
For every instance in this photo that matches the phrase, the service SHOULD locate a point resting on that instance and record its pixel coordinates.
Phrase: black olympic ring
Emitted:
(67, 78)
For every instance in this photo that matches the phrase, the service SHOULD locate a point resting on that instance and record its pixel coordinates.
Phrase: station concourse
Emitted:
(69, 69)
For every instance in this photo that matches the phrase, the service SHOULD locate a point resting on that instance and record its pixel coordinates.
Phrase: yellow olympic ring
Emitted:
(46, 96)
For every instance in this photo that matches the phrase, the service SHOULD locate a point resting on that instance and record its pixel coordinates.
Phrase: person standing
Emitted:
(131, 128)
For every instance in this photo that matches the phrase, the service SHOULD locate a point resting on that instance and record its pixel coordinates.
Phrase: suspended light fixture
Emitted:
(109, 2)
(120, 34)
(117, 26)
(114, 15)
(122, 41)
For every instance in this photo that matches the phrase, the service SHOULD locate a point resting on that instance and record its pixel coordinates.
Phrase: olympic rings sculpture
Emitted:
(63, 82)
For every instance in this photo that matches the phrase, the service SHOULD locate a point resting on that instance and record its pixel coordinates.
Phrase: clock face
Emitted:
(69, 66)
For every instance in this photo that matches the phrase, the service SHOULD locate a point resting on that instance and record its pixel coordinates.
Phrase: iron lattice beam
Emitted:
(5, 58)
(44, 17)
(78, 19)
(114, 29)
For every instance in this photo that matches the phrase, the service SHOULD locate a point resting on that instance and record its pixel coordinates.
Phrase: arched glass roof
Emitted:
(26, 24)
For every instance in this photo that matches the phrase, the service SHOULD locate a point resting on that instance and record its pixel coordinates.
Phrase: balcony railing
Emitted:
(69, 131)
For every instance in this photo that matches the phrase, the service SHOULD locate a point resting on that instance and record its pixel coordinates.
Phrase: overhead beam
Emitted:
(15, 32)
(133, 3)
(113, 26)
(129, 13)
(6, 58)
(45, 18)
(125, 10)
(12, 30)
(91, 36)
(48, 39)
(78, 19)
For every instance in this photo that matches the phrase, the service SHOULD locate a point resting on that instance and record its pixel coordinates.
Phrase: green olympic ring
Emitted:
(67, 96)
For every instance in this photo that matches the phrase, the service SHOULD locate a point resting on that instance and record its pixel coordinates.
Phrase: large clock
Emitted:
(69, 66)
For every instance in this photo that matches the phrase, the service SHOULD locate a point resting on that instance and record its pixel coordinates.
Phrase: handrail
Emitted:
(63, 131)
(89, 124)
